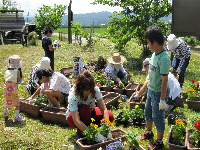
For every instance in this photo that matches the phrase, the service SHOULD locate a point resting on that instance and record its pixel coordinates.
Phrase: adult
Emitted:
(181, 53)
(81, 107)
(47, 45)
(32, 85)
(115, 68)
(54, 85)
(25, 34)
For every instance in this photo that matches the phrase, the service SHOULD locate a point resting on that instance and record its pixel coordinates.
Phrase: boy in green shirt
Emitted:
(159, 67)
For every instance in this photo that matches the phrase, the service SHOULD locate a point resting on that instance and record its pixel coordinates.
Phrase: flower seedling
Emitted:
(132, 139)
(196, 134)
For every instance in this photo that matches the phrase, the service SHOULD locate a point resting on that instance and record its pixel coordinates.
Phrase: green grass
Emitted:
(96, 30)
(38, 134)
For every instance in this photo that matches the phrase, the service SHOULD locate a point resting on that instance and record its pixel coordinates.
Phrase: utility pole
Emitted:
(27, 17)
(70, 19)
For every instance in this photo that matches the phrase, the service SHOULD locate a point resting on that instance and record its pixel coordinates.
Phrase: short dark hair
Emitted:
(42, 72)
(154, 33)
(47, 29)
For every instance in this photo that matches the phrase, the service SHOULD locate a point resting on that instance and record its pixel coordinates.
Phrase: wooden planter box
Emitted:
(189, 145)
(127, 147)
(133, 101)
(108, 88)
(113, 99)
(118, 90)
(173, 146)
(104, 93)
(53, 114)
(33, 110)
(194, 104)
(66, 71)
(131, 88)
(116, 133)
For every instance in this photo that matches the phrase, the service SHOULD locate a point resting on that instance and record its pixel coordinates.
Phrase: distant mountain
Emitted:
(89, 18)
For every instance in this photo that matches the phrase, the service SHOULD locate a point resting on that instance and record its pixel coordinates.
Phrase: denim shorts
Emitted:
(152, 112)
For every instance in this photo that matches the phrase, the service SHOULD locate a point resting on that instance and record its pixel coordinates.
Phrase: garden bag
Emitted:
(77, 66)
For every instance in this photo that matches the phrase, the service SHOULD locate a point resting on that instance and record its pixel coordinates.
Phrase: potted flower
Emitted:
(137, 116)
(109, 84)
(34, 107)
(177, 136)
(123, 118)
(120, 88)
(193, 100)
(193, 135)
(97, 137)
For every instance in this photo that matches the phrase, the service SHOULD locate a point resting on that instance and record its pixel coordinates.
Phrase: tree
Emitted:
(136, 16)
(49, 16)
(10, 5)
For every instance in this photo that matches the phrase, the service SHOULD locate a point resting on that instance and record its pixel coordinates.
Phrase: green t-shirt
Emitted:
(159, 65)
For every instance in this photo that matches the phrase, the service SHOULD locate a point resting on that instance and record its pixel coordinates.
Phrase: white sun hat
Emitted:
(44, 63)
(172, 42)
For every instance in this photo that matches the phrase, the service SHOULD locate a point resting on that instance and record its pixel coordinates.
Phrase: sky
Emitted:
(78, 6)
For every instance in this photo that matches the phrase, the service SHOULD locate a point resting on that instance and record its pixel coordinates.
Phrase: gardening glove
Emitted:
(30, 100)
(178, 70)
(162, 104)
(100, 138)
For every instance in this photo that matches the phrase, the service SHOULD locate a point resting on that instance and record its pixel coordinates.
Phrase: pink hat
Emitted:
(14, 62)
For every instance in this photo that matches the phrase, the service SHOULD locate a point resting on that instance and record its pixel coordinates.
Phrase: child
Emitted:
(47, 45)
(13, 76)
(159, 67)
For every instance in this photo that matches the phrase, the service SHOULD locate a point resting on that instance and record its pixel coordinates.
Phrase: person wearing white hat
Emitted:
(115, 68)
(12, 77)
(181, 53)
(32, 85)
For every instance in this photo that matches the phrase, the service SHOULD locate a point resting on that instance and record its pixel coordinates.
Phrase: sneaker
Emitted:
(19, 119)
(156, 145)
(147, 136)
(5, 113)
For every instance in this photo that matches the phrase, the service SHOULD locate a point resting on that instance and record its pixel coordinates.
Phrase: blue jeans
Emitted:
(175, 65)
(152, 112)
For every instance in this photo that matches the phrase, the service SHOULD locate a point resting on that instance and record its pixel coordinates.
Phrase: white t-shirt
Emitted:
(57, 82)
(74, 101)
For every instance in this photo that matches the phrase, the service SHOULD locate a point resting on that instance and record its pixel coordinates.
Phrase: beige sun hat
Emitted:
(44, 63)
(172, 42)
(116, 59)
(14, 62)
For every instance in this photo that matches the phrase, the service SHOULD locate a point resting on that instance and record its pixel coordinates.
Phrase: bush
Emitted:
(32, 38)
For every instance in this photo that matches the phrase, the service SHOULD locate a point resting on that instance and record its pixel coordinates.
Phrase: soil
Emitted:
(108, 99)
(132, 87)
(57, 111)
(135, 100)
(191, 141)
(98, 65)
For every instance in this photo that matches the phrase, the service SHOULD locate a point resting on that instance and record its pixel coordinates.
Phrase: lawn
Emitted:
(38, 134)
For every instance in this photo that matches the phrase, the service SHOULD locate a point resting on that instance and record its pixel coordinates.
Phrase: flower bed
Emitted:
(56, 115)
(33, 110)
(111, 99)
(133, 101)
(116, 134)
(131, 88)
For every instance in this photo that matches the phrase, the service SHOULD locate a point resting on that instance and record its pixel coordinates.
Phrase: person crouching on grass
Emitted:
(54, 85)
(159, 67)
(81, 107)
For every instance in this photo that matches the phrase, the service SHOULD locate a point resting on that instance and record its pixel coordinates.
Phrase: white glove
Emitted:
(178, 70)
(162, 104)
(100, 138)
(137, 97)
(30, 100)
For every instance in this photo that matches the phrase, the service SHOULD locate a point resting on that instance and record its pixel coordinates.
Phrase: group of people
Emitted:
(82, 96)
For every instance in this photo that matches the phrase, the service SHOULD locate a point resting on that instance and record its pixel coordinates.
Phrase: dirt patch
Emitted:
(57, 111)
(98, 65)
(132, 87)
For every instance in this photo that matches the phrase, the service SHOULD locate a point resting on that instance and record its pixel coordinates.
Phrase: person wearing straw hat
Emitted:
(115, 68)
(181, 53)
(12, 77)
(32, 85)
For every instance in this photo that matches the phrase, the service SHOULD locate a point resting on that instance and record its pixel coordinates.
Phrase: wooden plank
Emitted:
(6, 10)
